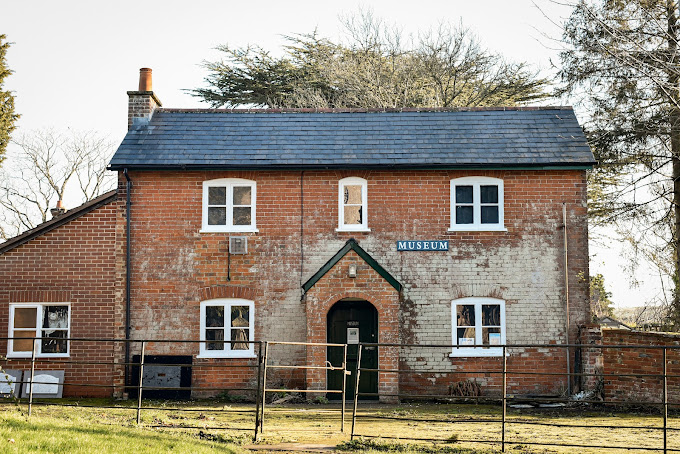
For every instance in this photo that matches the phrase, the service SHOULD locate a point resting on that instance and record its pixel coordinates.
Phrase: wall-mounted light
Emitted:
(352, 272)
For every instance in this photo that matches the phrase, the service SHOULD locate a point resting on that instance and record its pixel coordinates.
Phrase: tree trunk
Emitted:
(674, 78)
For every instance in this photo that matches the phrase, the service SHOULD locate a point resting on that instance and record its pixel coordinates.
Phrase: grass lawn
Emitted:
(213, 426)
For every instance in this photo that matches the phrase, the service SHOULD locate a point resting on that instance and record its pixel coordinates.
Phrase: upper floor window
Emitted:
(479, 325)
(227, 328)
(49, 321)
(229, 205)
(477, 204)
(352, 209)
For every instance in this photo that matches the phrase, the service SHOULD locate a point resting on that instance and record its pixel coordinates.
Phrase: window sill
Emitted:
(478, 228)
(246, 355)
(476, 352)
(38, 356)
(229, 230)
(352, 229)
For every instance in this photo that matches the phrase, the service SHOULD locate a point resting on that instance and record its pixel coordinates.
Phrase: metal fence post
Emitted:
(356, 390)
(344, 387)
(665, 402)
(259, 390)
(264, 385)
(30, 393)
(141, 380)
(505, 397)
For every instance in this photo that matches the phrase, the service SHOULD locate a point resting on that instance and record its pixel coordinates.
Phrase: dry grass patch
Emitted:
(213, 426)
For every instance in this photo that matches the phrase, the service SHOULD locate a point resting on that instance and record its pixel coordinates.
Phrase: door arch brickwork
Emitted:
(370, 286)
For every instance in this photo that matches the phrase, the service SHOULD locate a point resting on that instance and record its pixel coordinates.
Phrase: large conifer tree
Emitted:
(622, 58)
(7, 115)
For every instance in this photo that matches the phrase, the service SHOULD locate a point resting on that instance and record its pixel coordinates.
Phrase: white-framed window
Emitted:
(50, 321)
(227, 328)
(353, 205)
(479, 325)
(229, 205)
(477, 204)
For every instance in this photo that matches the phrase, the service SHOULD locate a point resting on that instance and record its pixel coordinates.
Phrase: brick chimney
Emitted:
(143, 102)
(59, 210)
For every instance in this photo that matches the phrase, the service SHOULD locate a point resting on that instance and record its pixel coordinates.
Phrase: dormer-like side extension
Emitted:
(143, 102)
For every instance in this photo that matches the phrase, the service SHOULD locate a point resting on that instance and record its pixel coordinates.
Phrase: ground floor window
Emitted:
(49, 321)
(478, 325)
(227, 328)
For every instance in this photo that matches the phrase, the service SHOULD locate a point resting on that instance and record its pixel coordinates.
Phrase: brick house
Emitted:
(409, 226)
(58, 281)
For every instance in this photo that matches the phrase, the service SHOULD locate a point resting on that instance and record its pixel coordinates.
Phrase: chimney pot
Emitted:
(59, 210)
(145, 79)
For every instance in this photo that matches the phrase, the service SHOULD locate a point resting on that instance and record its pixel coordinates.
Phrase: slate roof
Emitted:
(306, 138)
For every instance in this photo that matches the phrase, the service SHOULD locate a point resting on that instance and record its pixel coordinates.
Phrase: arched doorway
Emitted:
(351, 321)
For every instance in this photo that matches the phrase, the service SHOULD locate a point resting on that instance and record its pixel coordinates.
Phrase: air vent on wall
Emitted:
(238, 245)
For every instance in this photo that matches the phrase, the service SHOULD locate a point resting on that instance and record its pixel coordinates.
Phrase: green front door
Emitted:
(350, 322)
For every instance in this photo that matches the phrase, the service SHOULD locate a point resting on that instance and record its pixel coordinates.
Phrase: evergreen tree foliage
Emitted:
(7, 115)
(600, 304)
(378, 67)
(622, 60)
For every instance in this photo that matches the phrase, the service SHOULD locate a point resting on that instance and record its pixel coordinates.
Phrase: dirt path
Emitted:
(292, 447)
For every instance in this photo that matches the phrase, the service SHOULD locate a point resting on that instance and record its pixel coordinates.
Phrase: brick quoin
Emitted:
(74, 263)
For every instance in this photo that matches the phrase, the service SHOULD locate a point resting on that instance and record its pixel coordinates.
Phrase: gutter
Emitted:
(127, 279)
(359, 166)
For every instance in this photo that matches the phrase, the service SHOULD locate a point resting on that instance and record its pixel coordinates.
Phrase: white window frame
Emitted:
(38, 331)
(353, 181)
(478, 350)
(477, 225)
(229, 184)
(227, 303)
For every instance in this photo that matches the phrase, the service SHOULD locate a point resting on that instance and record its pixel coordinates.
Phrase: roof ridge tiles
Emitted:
(368, 110)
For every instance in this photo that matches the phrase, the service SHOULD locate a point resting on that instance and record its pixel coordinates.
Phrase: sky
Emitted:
(74, 61)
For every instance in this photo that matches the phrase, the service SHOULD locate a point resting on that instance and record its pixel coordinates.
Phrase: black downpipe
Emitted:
(302, 231)
(127, 279)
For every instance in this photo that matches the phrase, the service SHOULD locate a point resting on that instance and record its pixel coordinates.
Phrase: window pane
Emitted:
(463, 194)
(353, 215)
(241, 195)
(239, 338)
(488, 194)
(242, 216)
(491, 336)
(217, 196)
(216, 335)
(490, 215)
(353, 194)
(214, 316)
(55, 317)
(466, 336)
(491, 315)
(57, 342)
(464, 215)
(465, 314)
(240, 316)
(217, 216)
(26, 343)
(25, 317)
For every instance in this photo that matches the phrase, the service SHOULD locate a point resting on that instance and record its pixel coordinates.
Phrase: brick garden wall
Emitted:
(74, 263)
(632, 375)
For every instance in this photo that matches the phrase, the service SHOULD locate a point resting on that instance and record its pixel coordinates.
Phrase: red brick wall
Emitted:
(641, 367)
(74, 263)
(173, 263)
(529, 371)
